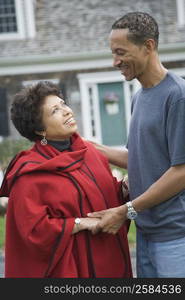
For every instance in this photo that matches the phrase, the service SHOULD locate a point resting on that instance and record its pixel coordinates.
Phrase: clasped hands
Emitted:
(109, 220)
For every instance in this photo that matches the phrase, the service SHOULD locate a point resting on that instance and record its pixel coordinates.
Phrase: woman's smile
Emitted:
(71, 121)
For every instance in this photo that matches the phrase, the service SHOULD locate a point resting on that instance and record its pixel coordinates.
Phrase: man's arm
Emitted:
(168, 185)
(116, 157)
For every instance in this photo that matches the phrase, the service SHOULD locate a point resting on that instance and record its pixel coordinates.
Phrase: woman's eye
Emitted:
(61, 105)
(55, 110)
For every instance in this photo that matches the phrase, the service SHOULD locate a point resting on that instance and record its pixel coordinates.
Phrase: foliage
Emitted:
(2, 231)
(9, 148)
(132, 233)
(123, 171)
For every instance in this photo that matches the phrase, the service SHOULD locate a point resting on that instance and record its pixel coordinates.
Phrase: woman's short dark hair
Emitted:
(26, 109)
(141, 27)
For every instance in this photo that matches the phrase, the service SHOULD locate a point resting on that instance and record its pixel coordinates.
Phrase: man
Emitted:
(156, 151)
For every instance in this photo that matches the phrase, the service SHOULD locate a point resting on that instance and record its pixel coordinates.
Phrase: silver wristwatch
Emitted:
(131, 213)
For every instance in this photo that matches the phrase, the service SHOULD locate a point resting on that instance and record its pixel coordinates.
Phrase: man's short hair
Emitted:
(141, 27)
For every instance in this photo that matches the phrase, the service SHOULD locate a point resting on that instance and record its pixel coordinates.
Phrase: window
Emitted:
(8, 22)
(17, 19)
(180, 13)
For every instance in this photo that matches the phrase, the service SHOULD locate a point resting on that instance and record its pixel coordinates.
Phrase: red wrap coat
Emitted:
(47, 190)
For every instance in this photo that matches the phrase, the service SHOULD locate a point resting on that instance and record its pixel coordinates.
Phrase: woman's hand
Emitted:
(86, 224)
(111, 219)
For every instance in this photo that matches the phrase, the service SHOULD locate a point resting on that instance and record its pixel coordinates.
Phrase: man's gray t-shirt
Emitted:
(156, 143)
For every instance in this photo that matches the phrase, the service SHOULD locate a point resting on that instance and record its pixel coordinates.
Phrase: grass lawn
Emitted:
(2, 231)
(132, 233)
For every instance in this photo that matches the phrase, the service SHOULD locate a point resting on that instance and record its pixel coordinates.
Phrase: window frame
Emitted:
(25, 21)
(180, 5)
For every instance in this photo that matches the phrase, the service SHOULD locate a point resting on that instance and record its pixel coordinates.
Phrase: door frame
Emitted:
(91, 120)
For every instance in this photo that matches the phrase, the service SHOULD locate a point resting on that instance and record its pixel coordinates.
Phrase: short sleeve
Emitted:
(176, 132)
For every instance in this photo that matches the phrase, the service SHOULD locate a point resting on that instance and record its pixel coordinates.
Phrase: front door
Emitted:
(105, 103)
(112, 113)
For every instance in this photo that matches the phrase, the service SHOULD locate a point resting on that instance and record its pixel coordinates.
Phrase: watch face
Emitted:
(131, 214)
(77, 221)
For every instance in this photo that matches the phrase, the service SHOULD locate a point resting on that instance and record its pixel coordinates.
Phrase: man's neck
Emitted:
(154, 74)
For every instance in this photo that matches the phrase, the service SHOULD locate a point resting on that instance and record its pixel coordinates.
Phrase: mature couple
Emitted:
(53, 186)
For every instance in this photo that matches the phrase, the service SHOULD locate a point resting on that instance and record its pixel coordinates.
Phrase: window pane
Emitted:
(8, 22)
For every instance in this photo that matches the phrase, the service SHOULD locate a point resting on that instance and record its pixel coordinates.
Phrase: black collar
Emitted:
(61, 145)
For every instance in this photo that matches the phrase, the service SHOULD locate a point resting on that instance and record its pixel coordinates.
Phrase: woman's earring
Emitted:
(44, 141)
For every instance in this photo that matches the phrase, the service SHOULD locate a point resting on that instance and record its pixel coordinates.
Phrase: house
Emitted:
(67, 42)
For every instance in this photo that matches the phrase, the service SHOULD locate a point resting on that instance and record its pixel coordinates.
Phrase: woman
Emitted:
(51, 188)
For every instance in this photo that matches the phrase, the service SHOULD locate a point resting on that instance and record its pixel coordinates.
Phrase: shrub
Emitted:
(2, 231)
(9, 148)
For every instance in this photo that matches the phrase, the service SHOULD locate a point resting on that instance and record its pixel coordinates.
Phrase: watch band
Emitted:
(131, 213)
(129, 205)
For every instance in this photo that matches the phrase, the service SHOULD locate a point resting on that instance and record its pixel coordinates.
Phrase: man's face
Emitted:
(129, 58)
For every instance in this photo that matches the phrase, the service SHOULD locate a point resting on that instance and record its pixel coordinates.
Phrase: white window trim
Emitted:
(25, 21)
(30, 18)
(180, 13)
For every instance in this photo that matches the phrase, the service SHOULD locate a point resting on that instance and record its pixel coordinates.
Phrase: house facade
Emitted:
(67, 42)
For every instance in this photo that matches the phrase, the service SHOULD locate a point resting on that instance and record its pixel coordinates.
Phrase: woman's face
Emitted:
(57, 119)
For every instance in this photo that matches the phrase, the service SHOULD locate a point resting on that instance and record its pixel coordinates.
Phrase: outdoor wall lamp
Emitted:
(111, 102)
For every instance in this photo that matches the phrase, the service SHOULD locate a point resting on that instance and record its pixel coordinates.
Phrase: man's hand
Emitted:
(117, 157)
(90, 223)
(111, 219)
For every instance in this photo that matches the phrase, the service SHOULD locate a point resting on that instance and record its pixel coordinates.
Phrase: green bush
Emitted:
(2, 231)
(132, 233)
(9, 148)
(123, 171)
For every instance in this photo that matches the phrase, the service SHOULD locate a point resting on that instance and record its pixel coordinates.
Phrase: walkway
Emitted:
(1, 264)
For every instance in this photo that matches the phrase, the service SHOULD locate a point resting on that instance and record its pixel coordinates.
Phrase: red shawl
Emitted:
(47, 189)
